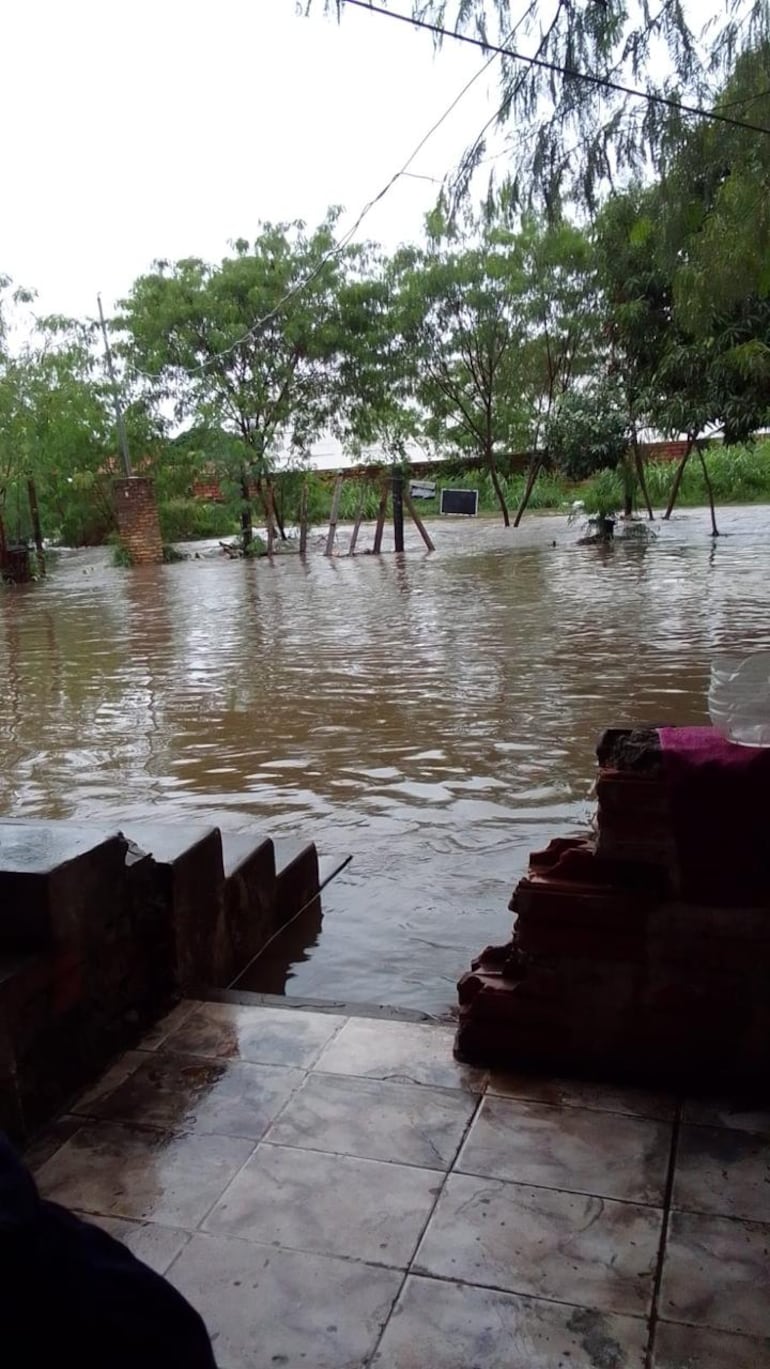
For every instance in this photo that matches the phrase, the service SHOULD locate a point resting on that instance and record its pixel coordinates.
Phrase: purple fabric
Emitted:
(719, 798)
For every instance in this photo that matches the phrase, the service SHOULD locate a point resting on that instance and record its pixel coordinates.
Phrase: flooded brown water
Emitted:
(435, 716)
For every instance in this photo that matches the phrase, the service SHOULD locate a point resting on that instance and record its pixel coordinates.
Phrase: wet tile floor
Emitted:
(335, 1192)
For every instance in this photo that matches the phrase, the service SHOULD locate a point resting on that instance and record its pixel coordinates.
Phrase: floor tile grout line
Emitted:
(748, 1336)
(400, 1082)
(250, 1156)
(450, 1280)
(421, 1235)
(349, 1155)
(581, 1107)
(763, 1136)
(322, 1049)
(454, 1280)
(667, 1205)
(713, 1214)
(558, 1188)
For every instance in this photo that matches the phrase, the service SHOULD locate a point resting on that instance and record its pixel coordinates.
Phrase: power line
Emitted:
(602, 82)
(343, 242)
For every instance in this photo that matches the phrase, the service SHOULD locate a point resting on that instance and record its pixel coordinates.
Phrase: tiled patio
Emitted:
(333, 1192)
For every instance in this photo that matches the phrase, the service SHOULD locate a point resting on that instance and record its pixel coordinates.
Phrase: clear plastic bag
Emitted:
(739, 698)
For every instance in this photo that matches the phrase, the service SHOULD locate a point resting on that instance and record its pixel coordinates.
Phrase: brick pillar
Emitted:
(137, 514)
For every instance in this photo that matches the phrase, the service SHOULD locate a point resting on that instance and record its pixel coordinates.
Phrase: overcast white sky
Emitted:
(164, 128)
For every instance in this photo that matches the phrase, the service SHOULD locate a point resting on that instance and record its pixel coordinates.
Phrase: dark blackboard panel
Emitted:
(460, 501)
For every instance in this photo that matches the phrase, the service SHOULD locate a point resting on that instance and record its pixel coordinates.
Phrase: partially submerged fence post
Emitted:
(303, 520)
(333, 516)
(397, 485)
(270, 519)
(359, 518)
(36, 528)
(381, 512)
(420, 526)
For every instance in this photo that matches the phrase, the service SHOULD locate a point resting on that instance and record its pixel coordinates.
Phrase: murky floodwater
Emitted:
(433, 715)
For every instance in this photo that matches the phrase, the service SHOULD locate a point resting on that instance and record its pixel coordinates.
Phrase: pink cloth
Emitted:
(719, 798)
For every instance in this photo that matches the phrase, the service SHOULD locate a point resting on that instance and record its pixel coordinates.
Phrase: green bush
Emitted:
(257, 547)
(121, 556)
(171, 555)
(603, 493)
(189, 520)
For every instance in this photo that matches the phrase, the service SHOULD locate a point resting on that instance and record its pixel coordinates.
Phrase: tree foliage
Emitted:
(498, 323)
(571, 138)
(249, 344)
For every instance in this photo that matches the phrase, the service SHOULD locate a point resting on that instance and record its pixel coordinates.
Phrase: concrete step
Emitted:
(52, 874)
(250, 896)
(190, 878)
(301, 913)
(298, 880)
(101, 926)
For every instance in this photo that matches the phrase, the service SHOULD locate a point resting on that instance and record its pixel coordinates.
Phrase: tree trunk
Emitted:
(303, 520)
(498, 491)
(532, 474)
(270, 512)
(710, 488)
(639, 463)
(381, 513)
(247, 530)
(36, 528)
(277, 513)
(334, 515)
(628, 478)
(677, 480)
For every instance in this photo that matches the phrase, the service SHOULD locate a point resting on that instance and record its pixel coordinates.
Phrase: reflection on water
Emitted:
(433, 715)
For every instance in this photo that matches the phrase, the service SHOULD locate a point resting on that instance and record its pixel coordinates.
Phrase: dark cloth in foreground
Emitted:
(71, 1294)
(719, 800)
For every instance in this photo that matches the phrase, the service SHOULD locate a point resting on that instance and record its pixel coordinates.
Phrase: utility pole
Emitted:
(123, 439)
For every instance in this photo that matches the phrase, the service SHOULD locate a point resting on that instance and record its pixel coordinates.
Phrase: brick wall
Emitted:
(137, 516)
(618, 965)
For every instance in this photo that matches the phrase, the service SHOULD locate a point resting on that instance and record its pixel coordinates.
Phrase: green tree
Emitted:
(689, 315)
(564, 342)
(55, 426)
(589, 431)
(249, 345)
(497, 323)
(567, 136)
(57, 430)
(463, 320)
(375, 403)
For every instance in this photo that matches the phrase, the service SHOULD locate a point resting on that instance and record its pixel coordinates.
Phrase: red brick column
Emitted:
(137, 515)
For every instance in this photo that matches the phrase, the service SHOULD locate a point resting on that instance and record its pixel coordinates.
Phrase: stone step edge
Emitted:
(339, 1007)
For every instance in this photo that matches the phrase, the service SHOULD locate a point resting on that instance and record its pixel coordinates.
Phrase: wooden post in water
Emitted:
(334, 515)
(397, 485)
(270, 520)
(303, 520)
(381, 513)
(36, 528)
(418, 523)
(359, 517)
